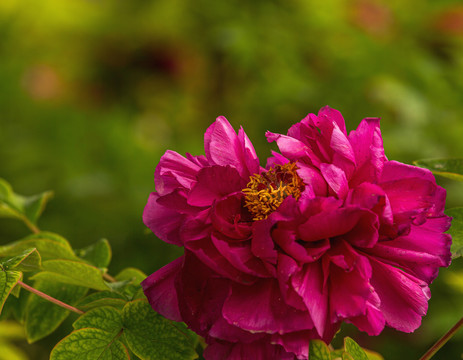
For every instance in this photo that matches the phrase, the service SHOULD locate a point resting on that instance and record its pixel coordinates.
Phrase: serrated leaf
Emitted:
(89, 344)
(42, 317)
(354, 349)
(49, 245)
(449, 168)
(456, 230)
(26, 208)
(318, 350)
(105, 318)
(102, 298)
(28, 260)
(97, 254)
(8, 280)
(72, 272)
(152, 337)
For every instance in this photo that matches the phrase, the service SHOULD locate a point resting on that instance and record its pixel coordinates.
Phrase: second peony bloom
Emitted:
(330, 231)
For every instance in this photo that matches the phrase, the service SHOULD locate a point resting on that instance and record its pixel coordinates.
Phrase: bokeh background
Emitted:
(92, 92)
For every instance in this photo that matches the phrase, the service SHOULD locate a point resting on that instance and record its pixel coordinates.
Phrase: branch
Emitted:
(441, 342)
(49, 298)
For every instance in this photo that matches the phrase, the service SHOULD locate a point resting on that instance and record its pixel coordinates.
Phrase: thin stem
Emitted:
(448, 335)
(109, 278)
(31, 226)
(49, 298)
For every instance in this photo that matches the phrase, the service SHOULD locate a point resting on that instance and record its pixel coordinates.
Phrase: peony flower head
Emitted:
(330, 231)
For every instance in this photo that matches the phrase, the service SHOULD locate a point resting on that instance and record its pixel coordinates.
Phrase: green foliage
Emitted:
(152, 337)
(113, 315)
(90, 344)
(449, 168)
(8, 280)
(318, 350)
(456, 230)
(43, 317)
(72, 272)
(27, 209)
(97, 254)
(9, 332)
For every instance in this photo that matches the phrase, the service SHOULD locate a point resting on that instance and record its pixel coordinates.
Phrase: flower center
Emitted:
(265, 192)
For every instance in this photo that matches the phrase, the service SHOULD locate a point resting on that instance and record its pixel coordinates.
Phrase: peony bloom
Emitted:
(329, 231)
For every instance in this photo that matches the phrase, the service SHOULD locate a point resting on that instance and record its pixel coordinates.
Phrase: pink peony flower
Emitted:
(329, 231)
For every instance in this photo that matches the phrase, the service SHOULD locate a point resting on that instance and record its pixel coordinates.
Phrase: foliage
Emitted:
(115, 320)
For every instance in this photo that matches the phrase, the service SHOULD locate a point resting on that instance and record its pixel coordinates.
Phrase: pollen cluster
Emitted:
(265, 192)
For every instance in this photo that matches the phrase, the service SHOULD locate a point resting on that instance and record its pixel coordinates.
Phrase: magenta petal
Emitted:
(404, 298)
(173, 171)
(214, 183)
(292, 148)
(165, 223)
(367, 145)
(260, 307)
(308, 283)
(257, 350)
(336, 179)
(312, 179)
(372, 322)
(160, 290)
(331, 116)
(224, 147)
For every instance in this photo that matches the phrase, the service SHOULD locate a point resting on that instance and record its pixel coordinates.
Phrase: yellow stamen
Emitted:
(265, 192)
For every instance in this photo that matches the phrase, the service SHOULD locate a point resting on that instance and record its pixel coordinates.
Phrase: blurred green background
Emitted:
(92, 93)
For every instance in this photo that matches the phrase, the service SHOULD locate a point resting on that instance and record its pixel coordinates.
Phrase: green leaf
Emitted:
(347, 356)
(372, 355)
(133, 289)
(152, 337)
(26, 208)
(28, 260)
(97, 254)
(449, 168)
(456, 230)
(11, 330)
(49, 245)
(102, 298)
(72, 272)
(8, 280)
(354, 349)
(318, 350)
(105, 318)
(90, 344)
(42, 316)
(336, 354)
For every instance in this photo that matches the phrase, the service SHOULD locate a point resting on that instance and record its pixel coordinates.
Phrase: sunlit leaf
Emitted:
(42, 316)
(102, 298)
(151, 336)
(372, 355)
(456, 230)
(450, 168)
(28, 260)
(90, 344)
(105, 318)
(354, 349)
(72, 272)
(49, 245)
(318, 350)
(8, 280)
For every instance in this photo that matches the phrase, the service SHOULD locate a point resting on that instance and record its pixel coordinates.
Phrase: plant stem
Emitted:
(109, 277)
(49, 298)
(447, 336)
(31, 226)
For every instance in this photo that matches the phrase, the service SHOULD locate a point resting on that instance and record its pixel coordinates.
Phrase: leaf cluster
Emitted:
(115, 320)
(318, 350)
